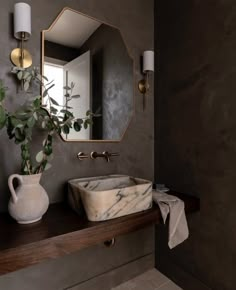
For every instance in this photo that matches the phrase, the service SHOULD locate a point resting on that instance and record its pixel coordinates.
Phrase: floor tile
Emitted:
(169, 286)
(150, 280)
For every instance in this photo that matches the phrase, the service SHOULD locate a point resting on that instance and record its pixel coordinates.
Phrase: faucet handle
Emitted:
(82, 156)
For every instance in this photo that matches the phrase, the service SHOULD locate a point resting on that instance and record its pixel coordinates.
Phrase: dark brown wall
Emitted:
(196, 130)
(135, 21)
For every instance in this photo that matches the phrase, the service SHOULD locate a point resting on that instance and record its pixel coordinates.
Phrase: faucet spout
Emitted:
(104, 154)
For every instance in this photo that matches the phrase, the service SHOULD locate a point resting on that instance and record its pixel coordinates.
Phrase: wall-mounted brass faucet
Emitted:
(94, 155)
(104, 154)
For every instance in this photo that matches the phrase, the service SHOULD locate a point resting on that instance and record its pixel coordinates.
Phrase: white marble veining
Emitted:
(108, 197)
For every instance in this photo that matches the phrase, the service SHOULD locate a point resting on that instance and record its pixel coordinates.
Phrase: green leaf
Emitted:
(35, 115)
(43, 124)
(77, 126)
(46, 91)
(20, 125)
(2, 94)
(53, 110)
(24, 113)
(48, 150)
(26, 74)
(25, 154)
(29, 78)
(54, 102)
(37, 103)
(2, 91)
(75, 96)
(66, 112)
(66, 129)
(40, 156)
(85, 124)
(43, 112)
(88, 113)
(14, 121)
(19, 75)
(3, 118)
(89, 121)
(37, 76)
(31, 122)
(46, 79)
(26, 85)
(48, 166)
(49, 138)
(20, 137)
(28, 133)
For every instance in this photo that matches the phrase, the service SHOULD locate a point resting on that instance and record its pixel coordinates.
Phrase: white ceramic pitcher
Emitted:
(29, 201)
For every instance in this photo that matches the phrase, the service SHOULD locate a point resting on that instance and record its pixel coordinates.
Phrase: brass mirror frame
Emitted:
(129, 53)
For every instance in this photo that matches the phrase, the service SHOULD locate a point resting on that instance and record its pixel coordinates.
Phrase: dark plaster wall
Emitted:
(112, 77)
(135, 21)
(196, 130)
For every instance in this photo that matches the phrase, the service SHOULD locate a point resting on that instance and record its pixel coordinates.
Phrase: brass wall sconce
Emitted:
(21, 57)
(148, 66)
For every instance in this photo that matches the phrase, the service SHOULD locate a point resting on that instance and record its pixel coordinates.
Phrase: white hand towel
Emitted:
(178, 227)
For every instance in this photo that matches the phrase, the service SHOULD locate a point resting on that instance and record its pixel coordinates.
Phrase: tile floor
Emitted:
(150, 280)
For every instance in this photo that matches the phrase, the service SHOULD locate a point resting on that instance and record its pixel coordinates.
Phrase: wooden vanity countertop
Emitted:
(62, 231)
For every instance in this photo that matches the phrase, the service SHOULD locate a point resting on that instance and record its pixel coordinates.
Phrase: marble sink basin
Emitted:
(108, 197)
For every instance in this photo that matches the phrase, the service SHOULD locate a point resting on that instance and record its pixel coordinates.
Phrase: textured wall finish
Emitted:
(135, 21)
(112, 78)
(196, 126)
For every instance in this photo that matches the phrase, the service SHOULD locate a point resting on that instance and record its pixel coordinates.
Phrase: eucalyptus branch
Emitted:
(21, 123)
(28, 166)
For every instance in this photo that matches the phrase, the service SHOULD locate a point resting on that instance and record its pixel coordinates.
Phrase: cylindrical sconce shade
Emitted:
(22, 20)
(148, 61)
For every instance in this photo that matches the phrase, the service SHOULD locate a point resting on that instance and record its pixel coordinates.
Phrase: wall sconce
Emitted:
(148, 66)
(21, 57)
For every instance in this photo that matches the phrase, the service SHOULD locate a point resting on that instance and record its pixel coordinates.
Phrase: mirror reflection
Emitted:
(90, 58)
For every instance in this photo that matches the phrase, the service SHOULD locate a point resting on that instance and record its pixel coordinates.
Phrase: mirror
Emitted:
(93, 56)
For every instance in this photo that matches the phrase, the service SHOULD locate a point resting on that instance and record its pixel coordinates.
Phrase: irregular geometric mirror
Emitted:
(92, 56)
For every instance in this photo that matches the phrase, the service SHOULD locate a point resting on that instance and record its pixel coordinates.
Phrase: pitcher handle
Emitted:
(11, 187)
